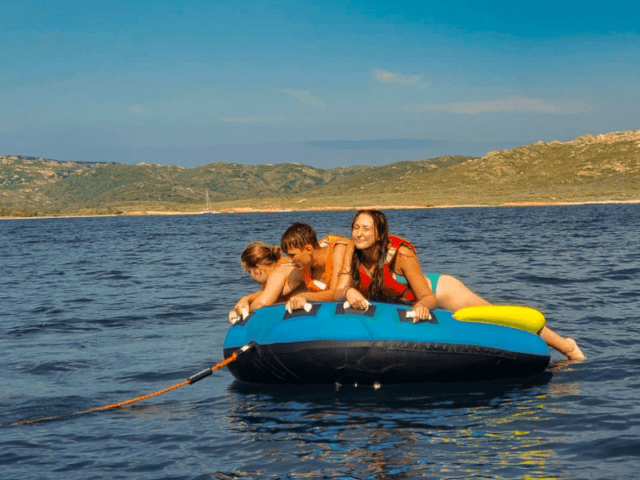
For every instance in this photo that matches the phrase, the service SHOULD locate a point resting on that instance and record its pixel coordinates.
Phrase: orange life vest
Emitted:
(312, 285)
(391, 286)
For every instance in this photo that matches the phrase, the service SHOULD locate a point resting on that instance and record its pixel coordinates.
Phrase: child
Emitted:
(318, 262)
(276, 274)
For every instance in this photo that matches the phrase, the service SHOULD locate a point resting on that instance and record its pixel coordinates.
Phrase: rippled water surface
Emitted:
(100, 310)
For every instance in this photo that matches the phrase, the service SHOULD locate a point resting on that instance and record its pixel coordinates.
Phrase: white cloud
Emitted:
(137, 109)
(305, 97)
(394, 77)
(511, 104)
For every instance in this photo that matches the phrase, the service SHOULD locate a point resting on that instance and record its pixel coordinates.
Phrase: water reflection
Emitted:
(488, 429)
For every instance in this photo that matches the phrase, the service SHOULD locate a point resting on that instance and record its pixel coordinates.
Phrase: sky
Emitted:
(327, 84)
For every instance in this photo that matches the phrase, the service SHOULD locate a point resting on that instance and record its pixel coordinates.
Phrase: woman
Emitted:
(276, 274)
(382, 267)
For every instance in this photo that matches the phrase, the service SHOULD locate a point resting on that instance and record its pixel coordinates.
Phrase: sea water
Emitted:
(95, 311)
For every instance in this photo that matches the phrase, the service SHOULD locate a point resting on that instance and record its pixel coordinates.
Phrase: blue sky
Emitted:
(326, 84)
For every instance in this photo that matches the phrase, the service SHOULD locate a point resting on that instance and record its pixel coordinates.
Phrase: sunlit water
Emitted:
(100, 310)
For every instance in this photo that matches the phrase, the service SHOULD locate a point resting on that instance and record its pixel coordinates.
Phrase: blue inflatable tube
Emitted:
(329, 344)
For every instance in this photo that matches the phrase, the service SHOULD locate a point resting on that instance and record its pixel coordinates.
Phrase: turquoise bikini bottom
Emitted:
(433, 277)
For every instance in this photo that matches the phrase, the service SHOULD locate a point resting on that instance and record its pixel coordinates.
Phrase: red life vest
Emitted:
(312, 285)
(391, 287)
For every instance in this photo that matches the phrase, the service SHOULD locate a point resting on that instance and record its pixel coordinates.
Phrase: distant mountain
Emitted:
(600, 168)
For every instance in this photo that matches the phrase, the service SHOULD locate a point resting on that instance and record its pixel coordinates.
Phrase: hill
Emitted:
(601, 168)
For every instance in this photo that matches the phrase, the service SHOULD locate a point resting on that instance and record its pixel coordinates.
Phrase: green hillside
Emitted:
(601, 168)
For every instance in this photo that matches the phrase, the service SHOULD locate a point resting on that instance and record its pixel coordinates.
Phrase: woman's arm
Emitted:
(340, 257)
(244, 304)
(408, 266)
(344, 287)
(344, 273)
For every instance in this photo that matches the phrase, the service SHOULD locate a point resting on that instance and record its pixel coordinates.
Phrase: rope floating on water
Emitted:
(189, 381)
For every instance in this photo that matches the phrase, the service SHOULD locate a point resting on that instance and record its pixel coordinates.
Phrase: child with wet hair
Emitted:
(278, 277)
(318, 261)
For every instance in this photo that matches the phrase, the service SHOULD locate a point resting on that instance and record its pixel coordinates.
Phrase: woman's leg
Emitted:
(566, 346)
(453, 295)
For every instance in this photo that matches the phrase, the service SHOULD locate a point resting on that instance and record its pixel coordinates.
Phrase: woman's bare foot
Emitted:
(575, 353)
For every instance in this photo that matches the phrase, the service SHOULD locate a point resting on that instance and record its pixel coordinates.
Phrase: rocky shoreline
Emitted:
(339, 208)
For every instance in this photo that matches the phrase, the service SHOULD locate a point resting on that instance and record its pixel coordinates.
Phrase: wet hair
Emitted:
(259, 253)
(381, 228)
(297, 236)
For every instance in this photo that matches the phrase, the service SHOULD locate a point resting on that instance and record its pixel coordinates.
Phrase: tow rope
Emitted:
(189, 381)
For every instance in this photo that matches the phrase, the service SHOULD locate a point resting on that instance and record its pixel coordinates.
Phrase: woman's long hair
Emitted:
(381, 246)
(258, 253)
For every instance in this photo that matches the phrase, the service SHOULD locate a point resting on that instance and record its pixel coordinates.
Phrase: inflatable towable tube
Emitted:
(331, 344)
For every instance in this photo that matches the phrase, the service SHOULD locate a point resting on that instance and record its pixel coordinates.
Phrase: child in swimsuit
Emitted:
(277, 275)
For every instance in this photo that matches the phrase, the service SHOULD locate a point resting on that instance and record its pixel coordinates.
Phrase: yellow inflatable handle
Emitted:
(524, 318)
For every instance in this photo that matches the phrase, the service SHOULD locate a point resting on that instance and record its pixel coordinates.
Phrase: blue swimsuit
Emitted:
(433, 277)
